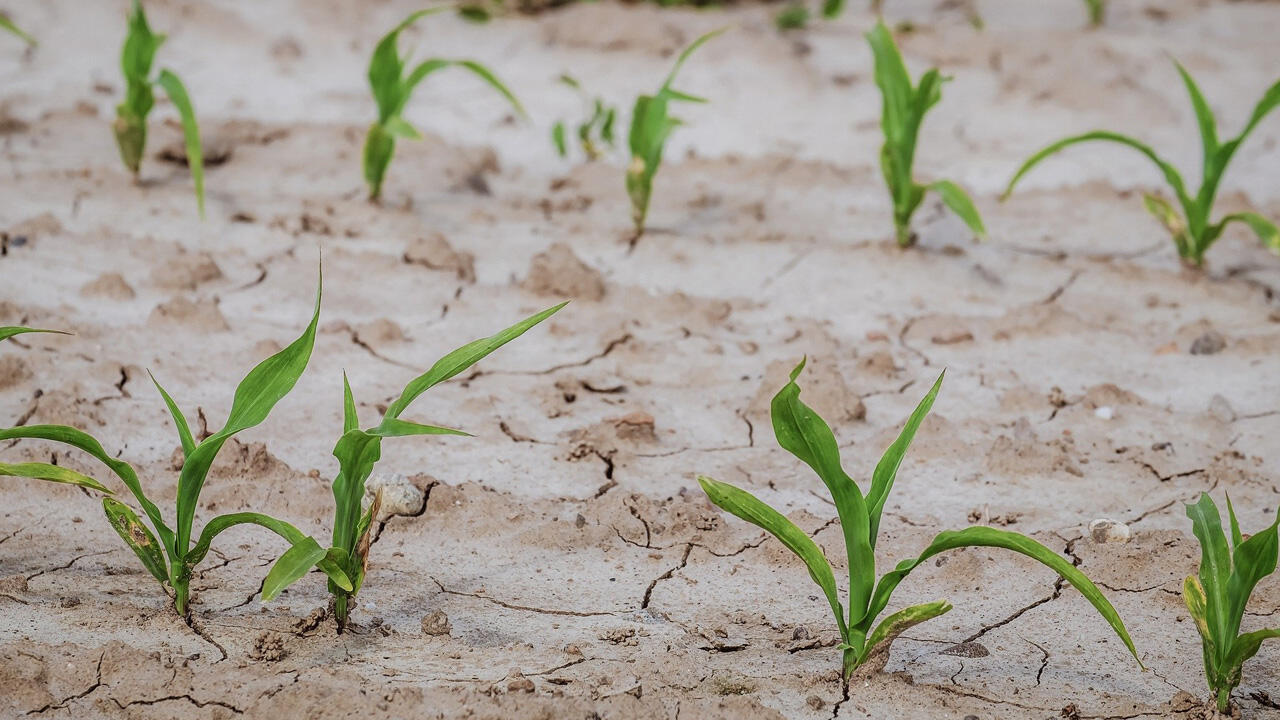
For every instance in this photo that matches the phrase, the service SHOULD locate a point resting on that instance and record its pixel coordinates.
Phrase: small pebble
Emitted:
(1221, 410)
(1209, 343)
(1106, 412)
(1104, 531)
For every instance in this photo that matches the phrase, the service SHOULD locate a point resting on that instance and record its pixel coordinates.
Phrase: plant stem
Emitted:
(1224, 700)
(905, 236)
(182, 593)
(340, 611)
(849, 662)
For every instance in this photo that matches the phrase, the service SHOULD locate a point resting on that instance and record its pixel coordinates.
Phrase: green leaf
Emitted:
(801, 432)
(894, 83)
(385, 67)
(332, 564)
(1204, 116)
(684, 55)
(177, 93)
(1253, 560)
(1170, 173)
(1097, 11)
(487, 75)
(350, 421)
(887, 469)
(1166, 214)
(961, 205)
(558, 139)
(1268, 234)
(991, 537)
(52, 473)
(179, 420)
(463, 358)
(9, 25)
(1197, 606)
(11, 330)
(792, 17)
(221, 523)
(417, 75)
(379, 146)
(291, 566)
(1246, 646)
(87, 443)
(398, 127)
(832, 8)
(395, 427)
(1236, 537)
(255, 396)
(897, 623)
(750, 508)
(1215, 566)
(136, 536)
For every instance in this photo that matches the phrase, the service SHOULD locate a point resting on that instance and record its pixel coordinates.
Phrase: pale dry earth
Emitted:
(581, 571)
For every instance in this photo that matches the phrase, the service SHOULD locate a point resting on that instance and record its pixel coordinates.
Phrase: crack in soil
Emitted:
(73, 561)
(184, 696)
(648, 593)
(1057, 292)
(608, 348)
(513, 606)
(61, 704)
(197, 627)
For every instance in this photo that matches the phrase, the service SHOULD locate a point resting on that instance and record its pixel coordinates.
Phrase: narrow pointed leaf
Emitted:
(896, 624)
(956, 199)
(190, 130)
(1204, 116)
(487, 75)
(9, 25)
(750, 508)
(887, 469)
(1252, 560)
(1248, 645)
(52, 473)
(136, 535)
(350, 420)
(1215, 563)
(11, 330)
(689, 51)
(291, 566)
(1268, 234)
(179, 420)
(221, 523)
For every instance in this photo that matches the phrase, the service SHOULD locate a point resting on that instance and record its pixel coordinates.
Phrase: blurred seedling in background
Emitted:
(357, 451)
(1192, 230)
(171, 559)
(903, 112)
(651, 125)
(130, 127)
(593, 134)
(803, 433)
(1217, 598)
(392, 88)
(45, 471)
(9, 25)
(1097, 11)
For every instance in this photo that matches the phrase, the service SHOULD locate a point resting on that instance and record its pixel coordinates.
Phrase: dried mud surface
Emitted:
(564, 563)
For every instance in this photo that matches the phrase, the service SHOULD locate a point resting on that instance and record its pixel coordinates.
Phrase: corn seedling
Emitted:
(1192, 230)
(903, 112)
(45, 471)
(130, 127)
(172, 558)
(1097, 11)
(651, 125)
(9, 25)
(796, 15)
(594, 134)
(1218, 597)
(391, 91)
(357, 451)
(803, 433)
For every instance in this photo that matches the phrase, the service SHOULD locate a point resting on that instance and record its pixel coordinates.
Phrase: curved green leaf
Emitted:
(9, 25)
(1215, 566)
(255, 396)
(86, 442)
(896, 624)
(1268, 234)
(190, 131)
(1166, 214)
(1204, 116)
(750, 508)
(684, 55)
(11, 330)
(220, 523)
(487, 75)
(803, 433)
(291, 566)
(887, 469)
(1246, 646)
(956, 199)
(1170, 172)
(52, 473)
(991, 537)
(137, 537)
(350, 420)
(1252, 560)
(179, 420)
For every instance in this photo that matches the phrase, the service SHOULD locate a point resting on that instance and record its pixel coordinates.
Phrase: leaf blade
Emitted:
(177, 93)
(52, 473)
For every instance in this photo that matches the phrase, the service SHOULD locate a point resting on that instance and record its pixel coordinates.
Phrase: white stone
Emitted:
(1106, 412)
(1105, 531)
(399, 496)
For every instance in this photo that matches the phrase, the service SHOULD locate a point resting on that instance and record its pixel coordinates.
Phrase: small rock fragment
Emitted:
(108, 285)
(636, 426)
(1106, 412)
(558, 272)
(517, 682)
(399, 495)
(269, 646)
(436, 624)
(1221, 410)
(1104, 531)
(1209, 343)
(436, 253)
(815, 702)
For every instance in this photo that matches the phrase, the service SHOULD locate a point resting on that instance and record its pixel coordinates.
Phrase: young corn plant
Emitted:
(392, 89)
(903, 112)
(1217, 598)
(130, 127)
(357, 451)
(865, 643)
(171, 557)
(45, 471)
(1192, 230)
(1097, 11)
(651, 125)
(594, 134)
(16, 31)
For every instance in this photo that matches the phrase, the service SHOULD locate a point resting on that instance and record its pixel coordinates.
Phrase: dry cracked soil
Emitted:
(563, 563)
